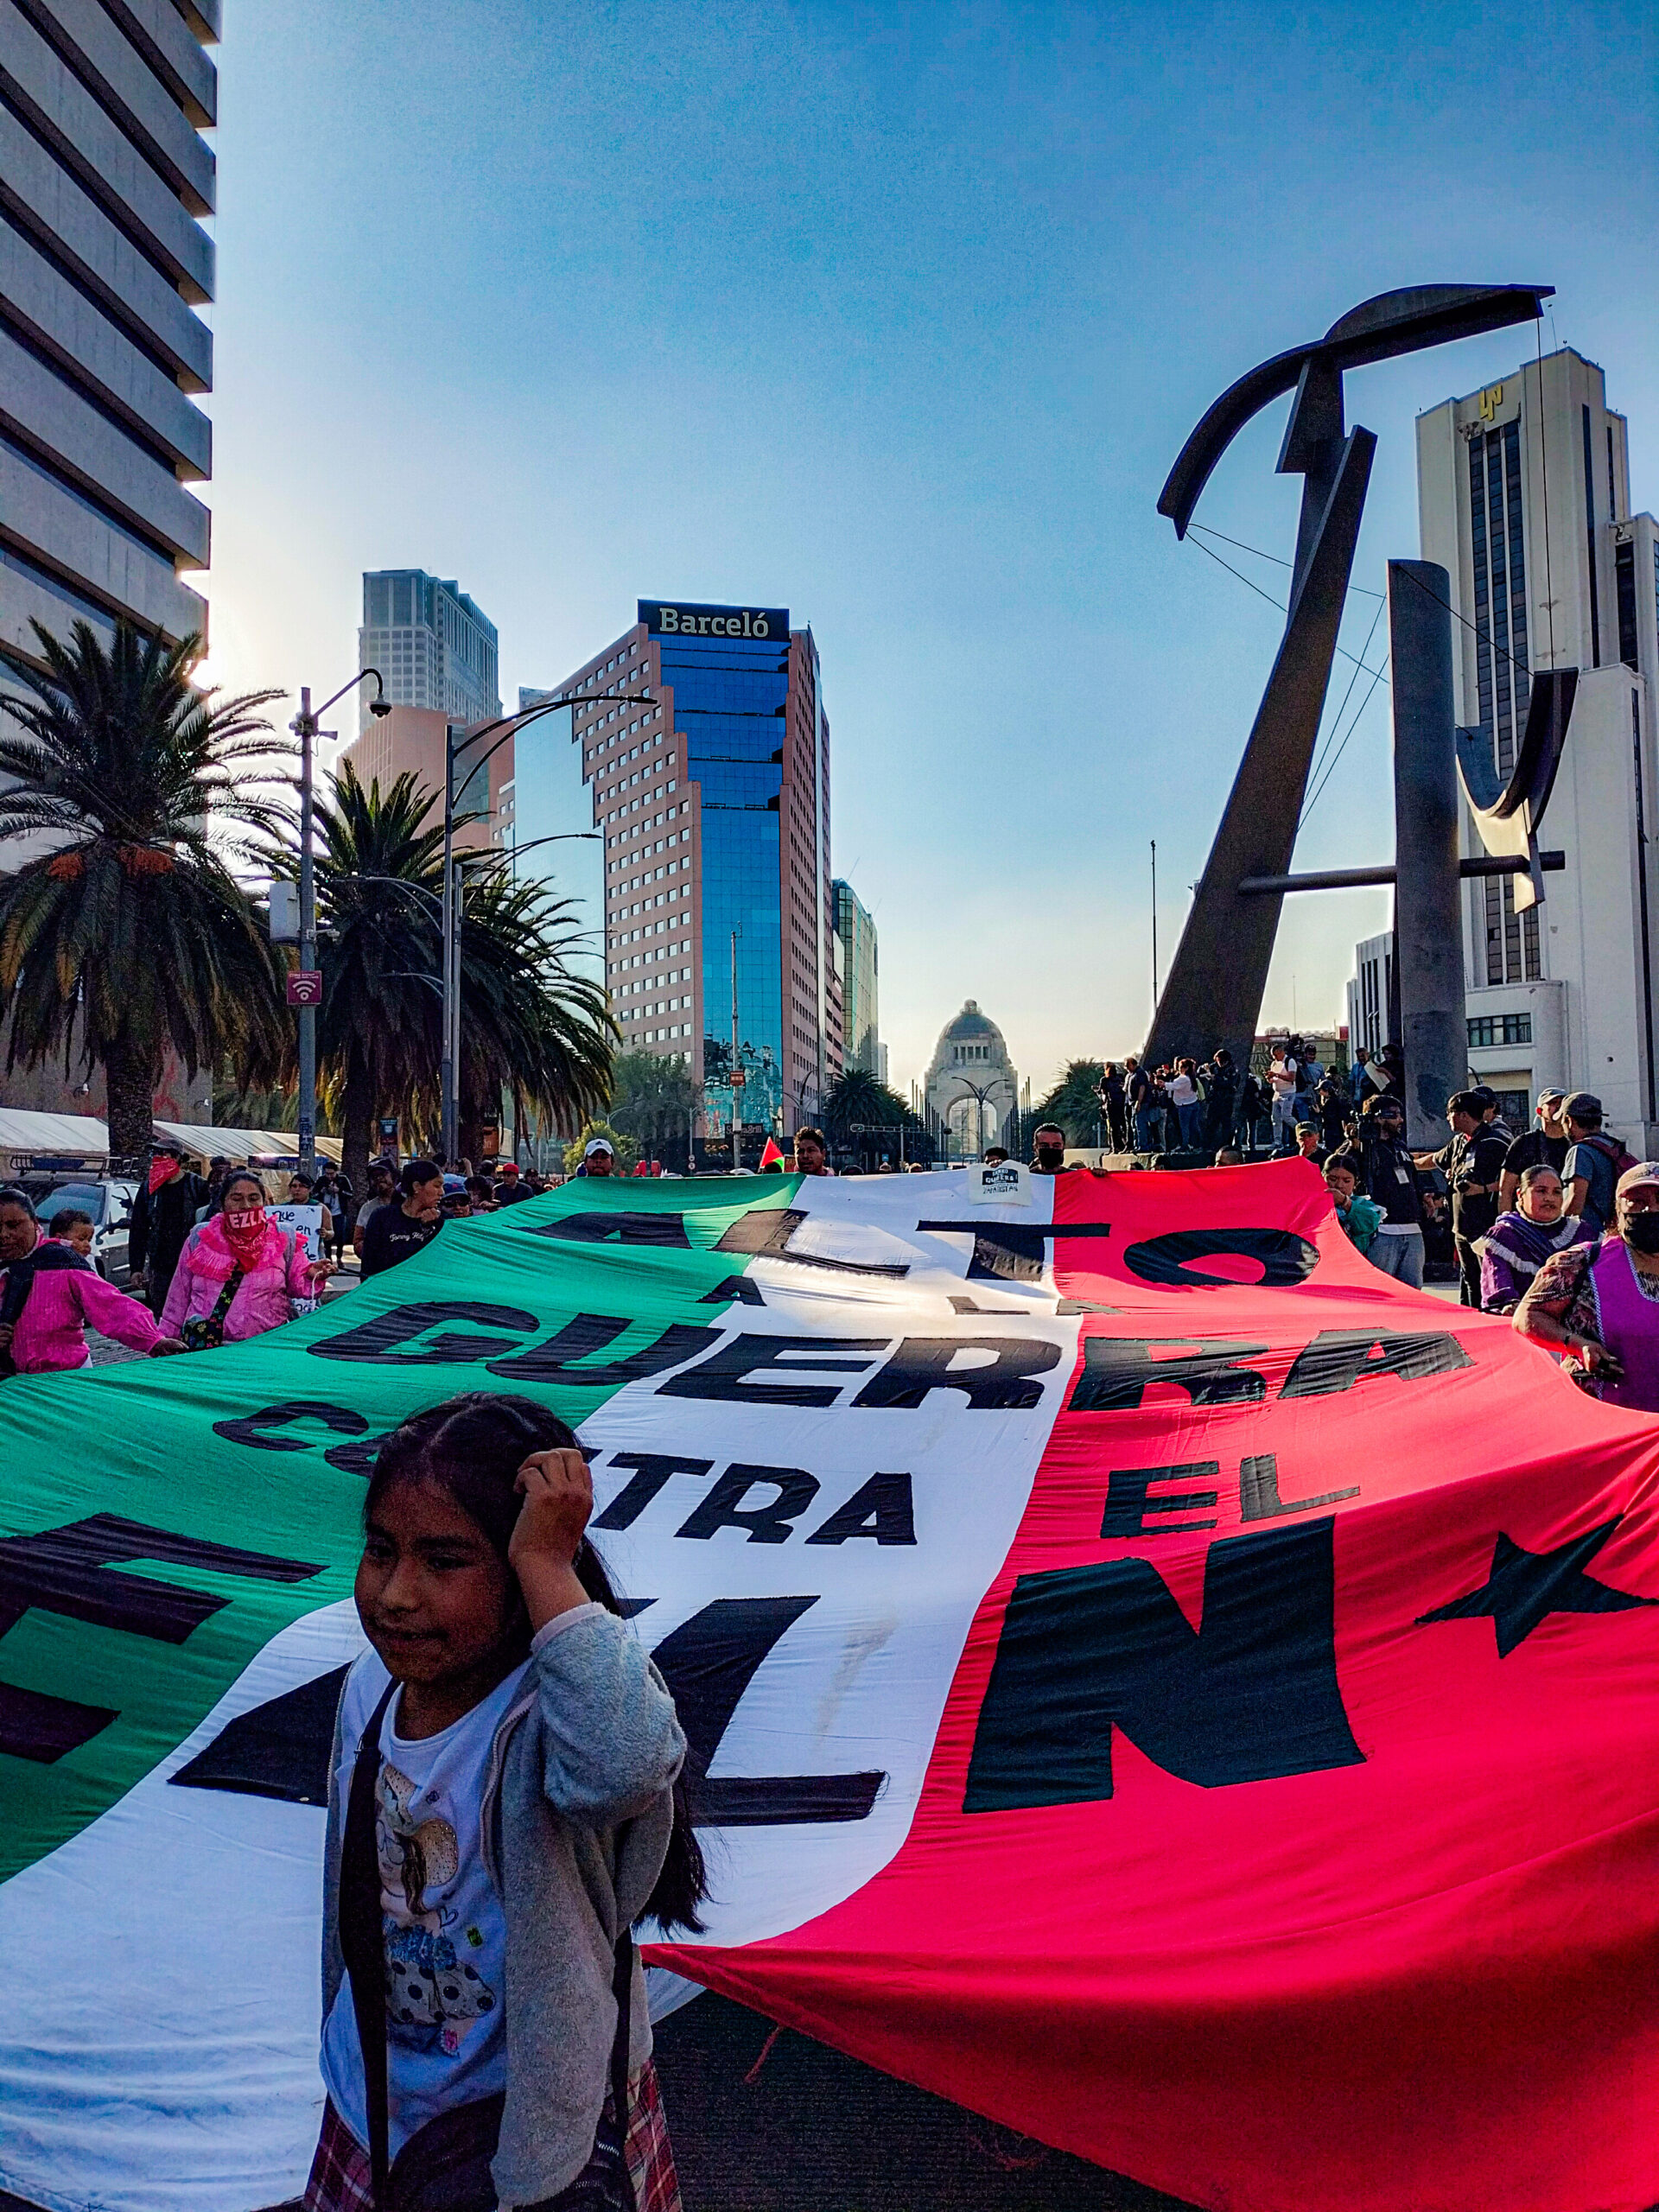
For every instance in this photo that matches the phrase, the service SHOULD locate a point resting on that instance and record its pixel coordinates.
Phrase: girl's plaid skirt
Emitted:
(341, 2182)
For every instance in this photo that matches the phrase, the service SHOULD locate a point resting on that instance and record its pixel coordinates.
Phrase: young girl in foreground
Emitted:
(502, 1807)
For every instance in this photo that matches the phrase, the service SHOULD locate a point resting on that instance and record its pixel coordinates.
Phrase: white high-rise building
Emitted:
(434, 647)
(1525, 499)
(105, 181)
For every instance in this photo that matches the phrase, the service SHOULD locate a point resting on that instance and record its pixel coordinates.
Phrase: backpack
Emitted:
(1613, 1151)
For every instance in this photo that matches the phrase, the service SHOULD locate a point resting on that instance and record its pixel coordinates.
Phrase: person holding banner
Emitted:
(504, 1804)
(49, 1295)
(239, 1274)
(1598, 1302)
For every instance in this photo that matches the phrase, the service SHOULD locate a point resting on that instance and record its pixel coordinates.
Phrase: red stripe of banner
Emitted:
(1420, 1971)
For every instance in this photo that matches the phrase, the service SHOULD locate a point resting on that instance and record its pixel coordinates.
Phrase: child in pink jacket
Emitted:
(64, 1296)
(241, 1240)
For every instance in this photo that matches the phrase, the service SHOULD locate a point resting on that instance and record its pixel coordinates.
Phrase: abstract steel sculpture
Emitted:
(1213, 994)
(1508, 814)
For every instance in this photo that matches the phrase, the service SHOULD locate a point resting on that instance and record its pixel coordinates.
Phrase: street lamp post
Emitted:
(451, 906)
(454, 745)
(304, 726)
(982, 1097)
(455, 909)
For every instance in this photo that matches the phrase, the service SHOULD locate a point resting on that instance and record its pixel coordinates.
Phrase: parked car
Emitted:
(108, 1199)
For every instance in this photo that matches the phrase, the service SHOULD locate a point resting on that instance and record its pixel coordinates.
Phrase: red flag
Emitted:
(772, 1156)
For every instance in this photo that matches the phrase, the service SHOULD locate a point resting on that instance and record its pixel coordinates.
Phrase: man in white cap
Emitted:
(598, 1158)
(1544, 1146)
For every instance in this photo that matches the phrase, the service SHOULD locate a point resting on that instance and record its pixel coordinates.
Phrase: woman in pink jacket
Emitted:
(240, 1243)
(49, 1296)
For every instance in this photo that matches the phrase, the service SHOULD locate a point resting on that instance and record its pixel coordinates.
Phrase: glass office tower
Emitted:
(707, 754)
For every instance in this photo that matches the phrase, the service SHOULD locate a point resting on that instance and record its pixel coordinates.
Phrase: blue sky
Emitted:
(898, 315)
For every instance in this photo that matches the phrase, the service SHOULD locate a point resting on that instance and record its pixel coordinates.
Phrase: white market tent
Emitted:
(25, 1137)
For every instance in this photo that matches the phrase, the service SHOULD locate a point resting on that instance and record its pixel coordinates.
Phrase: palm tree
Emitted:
(527, 1023)
(654, 1096)
(130, 935)
(1074, 1103)
(858, 1102)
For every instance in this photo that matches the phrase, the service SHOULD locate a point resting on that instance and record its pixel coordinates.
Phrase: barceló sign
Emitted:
(305, 986)
(663, 619)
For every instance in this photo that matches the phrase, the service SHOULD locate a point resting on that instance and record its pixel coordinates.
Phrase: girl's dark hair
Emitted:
(69, 1217)
(473, 1446)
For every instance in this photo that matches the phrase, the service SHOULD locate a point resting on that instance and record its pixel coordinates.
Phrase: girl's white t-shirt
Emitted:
(1183, 1092)
(446, 1936)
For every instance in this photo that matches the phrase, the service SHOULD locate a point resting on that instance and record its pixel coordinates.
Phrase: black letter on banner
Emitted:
(723, 1376)
(358, 1459)
(1116, 1371)
(555, 1361)
(1251, 1696)
(766, 1524)
(883, 1509)
(708, 1663)
(735, 1290)
(253, 1428)
(1285, 1258)
(1010, 1251)
(1258, 1491)
(1337, 1358)
(661, 1228)
(654, 1469)
(1128, 1503)
(63, 1571)
(379, 1340)
(922, 1364)
(766, 1233)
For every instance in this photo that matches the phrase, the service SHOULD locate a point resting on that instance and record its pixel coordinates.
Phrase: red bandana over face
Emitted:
(245, 1232)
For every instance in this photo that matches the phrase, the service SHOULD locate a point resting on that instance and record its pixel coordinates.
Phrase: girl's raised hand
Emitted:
(558, 1494)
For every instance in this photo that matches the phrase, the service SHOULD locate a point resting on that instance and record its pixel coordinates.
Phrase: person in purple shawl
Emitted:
(1517, 1244)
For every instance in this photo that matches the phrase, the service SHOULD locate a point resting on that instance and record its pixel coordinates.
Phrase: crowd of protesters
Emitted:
(1185, 1105)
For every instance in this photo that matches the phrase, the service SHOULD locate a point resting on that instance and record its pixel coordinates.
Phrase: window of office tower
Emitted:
(728, 670)
(1503, 683)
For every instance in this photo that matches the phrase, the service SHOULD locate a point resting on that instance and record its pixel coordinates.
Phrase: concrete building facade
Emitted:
(434, 647)
(409, 741)
(859, 970)
(1524, 498)
(545, 795)
(104, 177)
(970, 1092)
(1525, 501)
(707, 758)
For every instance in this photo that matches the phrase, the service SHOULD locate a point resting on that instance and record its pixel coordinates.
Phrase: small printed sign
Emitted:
(305, 986)
(305, 1221)
(1000, 1183)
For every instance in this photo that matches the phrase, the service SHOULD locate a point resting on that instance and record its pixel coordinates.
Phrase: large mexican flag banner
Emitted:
(1148, 1677)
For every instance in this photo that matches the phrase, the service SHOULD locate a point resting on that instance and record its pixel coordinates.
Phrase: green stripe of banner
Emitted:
(148, 1443)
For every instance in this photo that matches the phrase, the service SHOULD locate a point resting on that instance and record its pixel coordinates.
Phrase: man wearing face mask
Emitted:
(1598, 1303)
(1048, 1149)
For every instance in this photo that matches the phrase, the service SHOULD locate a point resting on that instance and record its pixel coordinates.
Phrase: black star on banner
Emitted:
(1524, 1586)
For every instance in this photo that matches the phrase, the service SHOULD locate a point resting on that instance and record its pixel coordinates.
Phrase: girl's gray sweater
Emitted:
(578, 1808)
